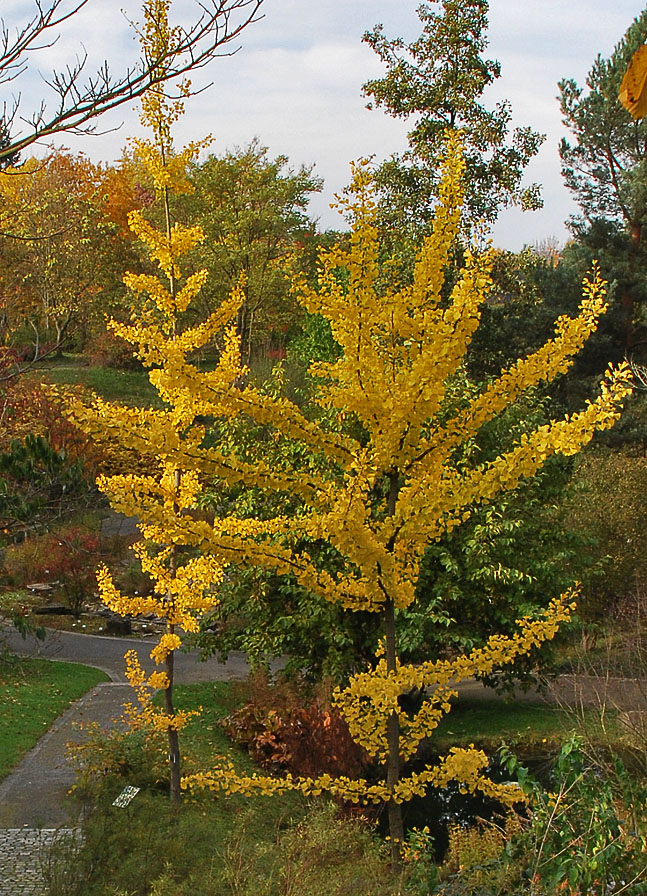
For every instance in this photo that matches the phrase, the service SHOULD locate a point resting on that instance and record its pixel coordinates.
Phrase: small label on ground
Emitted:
(126, 797)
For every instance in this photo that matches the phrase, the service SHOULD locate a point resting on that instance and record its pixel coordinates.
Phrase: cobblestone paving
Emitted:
(22, 851)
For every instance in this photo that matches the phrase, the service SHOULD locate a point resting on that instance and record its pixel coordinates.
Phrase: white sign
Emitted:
(126, 796)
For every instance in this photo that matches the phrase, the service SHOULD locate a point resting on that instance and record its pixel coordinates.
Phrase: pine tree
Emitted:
(604, 164)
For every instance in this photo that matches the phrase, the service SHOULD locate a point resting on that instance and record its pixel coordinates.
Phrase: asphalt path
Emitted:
(107, 653)
(36, 794)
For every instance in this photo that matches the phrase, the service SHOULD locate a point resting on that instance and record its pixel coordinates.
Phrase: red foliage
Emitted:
(27, 406)
(286, 733)
(109, 350)
(68, 557)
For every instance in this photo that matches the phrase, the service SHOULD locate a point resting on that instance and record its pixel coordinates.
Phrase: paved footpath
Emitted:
(20, 852)
(107, 653)
(35, 806)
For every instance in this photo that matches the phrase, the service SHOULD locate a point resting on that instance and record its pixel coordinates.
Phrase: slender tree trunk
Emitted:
(628, 297)
(173, 738)
(169, 708)
(396, 825)
(37, 340)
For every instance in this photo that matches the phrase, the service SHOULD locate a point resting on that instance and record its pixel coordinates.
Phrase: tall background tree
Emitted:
(253, 210)
(605, 165)
(439, 80)
(61, 251)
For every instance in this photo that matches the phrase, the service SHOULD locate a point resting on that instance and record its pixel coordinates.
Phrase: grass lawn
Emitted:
(488, 722)
(485, 722)
(128, 386)
(33, 693)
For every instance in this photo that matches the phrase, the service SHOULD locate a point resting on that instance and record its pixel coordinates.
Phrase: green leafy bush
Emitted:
(111, 760)
(38, 483)
(588, 833)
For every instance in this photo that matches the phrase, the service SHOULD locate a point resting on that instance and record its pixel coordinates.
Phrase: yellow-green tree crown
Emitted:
(389, 475)
(184, 581)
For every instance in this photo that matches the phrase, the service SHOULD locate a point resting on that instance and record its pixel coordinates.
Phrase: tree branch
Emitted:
(80, 101)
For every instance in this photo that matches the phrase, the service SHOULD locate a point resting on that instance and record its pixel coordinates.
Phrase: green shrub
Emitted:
(108, 761)
(224, 847)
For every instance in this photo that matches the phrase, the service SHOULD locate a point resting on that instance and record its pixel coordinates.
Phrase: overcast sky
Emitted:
(296, 84)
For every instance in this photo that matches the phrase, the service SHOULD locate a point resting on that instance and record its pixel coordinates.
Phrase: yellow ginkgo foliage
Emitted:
(389, 477)
(633, 90)
(184, 581)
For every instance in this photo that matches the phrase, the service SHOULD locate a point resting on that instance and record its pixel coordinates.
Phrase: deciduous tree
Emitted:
(78, 98)
(253, 210)
(183, 582)
(391, 475)
(438, 80)
(63, 252)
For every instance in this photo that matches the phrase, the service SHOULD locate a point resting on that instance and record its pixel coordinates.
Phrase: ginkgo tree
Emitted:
(389, 468)
(183, 583)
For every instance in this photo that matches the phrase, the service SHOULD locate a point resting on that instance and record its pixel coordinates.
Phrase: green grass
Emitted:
(214, 845)
(489, 722)
(33, 693)
(224, 848)
(130, 387)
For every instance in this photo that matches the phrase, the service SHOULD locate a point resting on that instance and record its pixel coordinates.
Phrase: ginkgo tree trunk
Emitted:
(392, 472)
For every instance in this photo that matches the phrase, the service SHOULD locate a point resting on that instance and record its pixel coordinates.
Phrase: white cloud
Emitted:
(296, 83)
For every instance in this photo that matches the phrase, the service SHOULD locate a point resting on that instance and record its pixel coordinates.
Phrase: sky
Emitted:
(296, 84)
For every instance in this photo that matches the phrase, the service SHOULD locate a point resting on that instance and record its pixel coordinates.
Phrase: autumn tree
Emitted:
(391, 474)
(62, 249)
(78, 98)
(438, 81)
(253, 210)
(184, 582)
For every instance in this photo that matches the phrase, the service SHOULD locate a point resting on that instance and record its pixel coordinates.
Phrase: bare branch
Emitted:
(13, 59)
(640, 375)
(81, 99)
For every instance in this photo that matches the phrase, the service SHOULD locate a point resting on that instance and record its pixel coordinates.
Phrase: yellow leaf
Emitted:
(633, 90)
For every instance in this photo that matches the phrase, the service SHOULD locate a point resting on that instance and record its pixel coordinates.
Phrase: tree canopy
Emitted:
(605, 166)
(439, 80)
